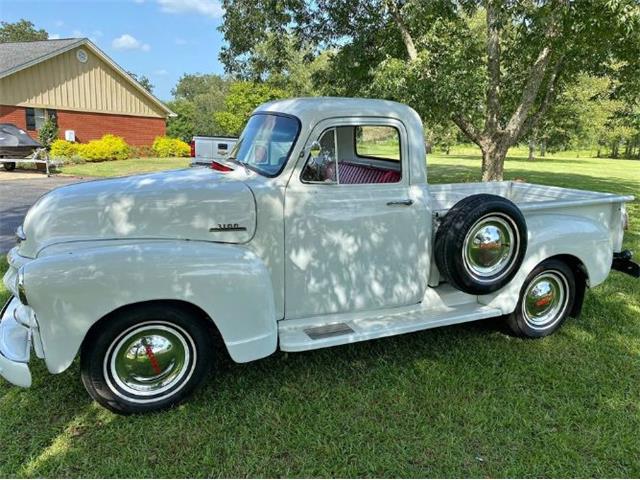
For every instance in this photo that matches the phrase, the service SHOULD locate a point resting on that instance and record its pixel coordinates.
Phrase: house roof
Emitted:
(17, 56)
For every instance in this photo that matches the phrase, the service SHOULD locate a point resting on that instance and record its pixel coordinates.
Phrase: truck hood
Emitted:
(192, 204)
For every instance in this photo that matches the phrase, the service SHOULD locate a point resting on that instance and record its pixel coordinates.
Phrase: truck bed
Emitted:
(529, 197)
(533, 200)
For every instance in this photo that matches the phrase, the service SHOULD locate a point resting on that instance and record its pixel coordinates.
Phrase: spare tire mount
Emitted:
(481, 243)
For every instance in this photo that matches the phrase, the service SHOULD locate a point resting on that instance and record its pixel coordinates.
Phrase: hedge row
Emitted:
(112, 147)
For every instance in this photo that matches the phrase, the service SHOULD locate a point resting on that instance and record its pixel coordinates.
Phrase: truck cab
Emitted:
(324, 232)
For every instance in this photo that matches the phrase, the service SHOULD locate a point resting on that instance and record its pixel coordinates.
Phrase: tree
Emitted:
(282, 63)
(443, 136)
(144, 81)
(617, 131)
(190, 85)
(579, 115)
(183, 124)
(591, 113)
(242, 99)
(48, 132)
(197, 98)
(21, 31)
(493, 68)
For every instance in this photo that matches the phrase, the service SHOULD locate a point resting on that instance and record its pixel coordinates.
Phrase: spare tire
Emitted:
(481, 243)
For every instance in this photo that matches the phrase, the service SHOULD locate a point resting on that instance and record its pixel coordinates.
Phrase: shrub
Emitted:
(109, 147)
(141, 151)
(63, 149)
(170, 147)
(48, 132)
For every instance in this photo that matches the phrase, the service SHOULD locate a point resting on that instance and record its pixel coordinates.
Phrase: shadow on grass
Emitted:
(423, 404)
(467, 400)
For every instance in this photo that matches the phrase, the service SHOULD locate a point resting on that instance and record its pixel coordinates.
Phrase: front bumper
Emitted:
(15, 343)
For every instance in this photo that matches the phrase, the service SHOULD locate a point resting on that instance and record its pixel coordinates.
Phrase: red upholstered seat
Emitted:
(357, 173)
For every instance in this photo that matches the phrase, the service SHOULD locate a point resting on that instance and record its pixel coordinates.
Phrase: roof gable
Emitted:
(15, 57)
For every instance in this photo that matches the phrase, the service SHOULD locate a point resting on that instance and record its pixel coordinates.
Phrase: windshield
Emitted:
(265, 143)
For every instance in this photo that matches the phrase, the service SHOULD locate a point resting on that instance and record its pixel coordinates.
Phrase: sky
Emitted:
(161, 39)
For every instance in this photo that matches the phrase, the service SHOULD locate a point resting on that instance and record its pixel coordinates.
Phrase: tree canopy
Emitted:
(242, 99)
(493, 68)
(196, 99)
(21, 31)
(143, 80)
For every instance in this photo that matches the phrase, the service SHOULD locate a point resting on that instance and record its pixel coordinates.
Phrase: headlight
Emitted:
(22, 294)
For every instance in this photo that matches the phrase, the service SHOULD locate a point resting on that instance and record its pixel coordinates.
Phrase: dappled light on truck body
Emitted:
(266, 256)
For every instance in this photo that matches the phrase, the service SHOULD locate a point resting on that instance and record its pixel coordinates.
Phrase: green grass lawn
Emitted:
(123, 167)
(468, 400)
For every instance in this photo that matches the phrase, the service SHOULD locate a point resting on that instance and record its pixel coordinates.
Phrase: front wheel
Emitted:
(546, 299)
(9, 166)
(146, 358)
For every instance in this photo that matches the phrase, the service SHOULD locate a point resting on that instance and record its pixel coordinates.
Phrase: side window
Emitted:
(378, 142)
(352, 155)
(323, 168)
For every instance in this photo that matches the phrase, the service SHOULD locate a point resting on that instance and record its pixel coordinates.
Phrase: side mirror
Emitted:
(315, 149)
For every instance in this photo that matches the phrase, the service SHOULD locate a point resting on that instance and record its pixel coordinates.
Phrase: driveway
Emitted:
(18, 191)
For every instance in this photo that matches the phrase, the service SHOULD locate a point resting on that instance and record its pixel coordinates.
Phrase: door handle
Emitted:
(406, 202)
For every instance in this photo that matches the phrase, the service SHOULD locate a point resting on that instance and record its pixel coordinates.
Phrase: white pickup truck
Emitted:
(324, 233)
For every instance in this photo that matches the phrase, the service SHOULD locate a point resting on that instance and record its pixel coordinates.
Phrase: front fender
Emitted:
(550, 235)
(71, 291)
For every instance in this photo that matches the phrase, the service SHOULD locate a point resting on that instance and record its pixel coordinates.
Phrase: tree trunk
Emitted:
(493, 157)
(532, 147)
(543, 148)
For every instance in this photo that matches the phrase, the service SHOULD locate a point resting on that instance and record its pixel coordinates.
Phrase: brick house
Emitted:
(76, 83)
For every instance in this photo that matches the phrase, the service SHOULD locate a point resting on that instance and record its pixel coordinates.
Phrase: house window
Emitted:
(37, 116)
(53, 115)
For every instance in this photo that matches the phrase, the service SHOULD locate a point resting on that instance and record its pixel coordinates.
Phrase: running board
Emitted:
(339, 329)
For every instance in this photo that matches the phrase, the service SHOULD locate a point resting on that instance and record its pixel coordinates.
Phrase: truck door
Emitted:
(357, 234)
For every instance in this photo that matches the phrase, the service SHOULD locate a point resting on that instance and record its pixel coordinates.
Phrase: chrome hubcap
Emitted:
(149, 360)
(489, 247)
(545, 300)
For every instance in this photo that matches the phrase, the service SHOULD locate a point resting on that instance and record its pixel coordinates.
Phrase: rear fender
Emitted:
(71, 291)
(552, 235)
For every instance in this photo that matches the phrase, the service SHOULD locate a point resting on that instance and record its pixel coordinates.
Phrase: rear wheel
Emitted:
(546, 299)
(147, 358)
(9, 166)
